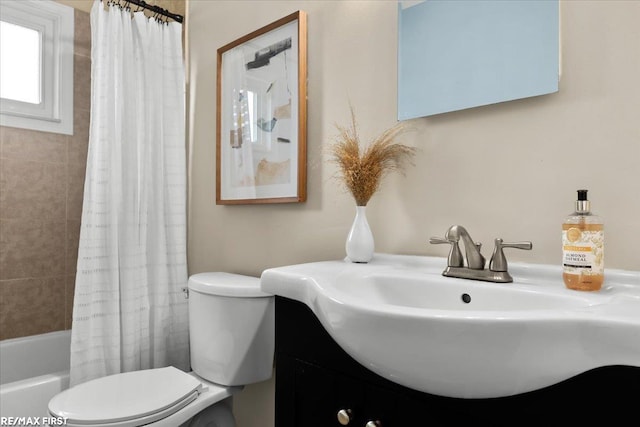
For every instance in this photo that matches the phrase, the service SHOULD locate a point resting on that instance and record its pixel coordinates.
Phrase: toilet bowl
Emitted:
(231, 332)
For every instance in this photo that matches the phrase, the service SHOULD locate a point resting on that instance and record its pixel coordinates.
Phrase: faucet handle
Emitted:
(498, 260)
(455, 256)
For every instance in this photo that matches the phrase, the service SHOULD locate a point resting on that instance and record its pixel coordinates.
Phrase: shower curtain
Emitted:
(129, 311)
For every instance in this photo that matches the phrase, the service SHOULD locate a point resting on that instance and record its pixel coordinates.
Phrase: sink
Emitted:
(400, 318)
(447, 295)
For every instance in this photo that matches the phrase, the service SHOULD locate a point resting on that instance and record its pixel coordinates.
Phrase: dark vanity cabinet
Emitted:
(316, 380)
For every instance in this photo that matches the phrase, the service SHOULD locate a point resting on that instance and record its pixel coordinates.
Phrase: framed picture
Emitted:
(261, 134)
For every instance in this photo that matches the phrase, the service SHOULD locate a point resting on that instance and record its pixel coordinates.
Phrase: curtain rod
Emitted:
(155, 9)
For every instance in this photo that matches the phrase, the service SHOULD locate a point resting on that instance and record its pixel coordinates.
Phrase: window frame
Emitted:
(55, 23)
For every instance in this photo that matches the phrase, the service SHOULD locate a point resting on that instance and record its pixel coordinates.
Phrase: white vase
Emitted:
(360, 239)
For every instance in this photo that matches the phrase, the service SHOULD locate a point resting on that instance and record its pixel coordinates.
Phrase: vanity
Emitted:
(395, 343)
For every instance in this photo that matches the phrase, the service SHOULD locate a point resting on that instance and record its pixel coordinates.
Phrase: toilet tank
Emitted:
(231, 328)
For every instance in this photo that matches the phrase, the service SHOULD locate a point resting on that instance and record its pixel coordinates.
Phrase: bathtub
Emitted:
(33, 370)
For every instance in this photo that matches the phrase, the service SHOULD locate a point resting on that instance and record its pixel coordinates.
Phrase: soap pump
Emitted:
(583, 247)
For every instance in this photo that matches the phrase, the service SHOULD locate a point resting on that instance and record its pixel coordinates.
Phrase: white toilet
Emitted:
(231, 330)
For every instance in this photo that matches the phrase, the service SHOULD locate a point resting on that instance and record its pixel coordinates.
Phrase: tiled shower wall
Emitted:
(41, 188)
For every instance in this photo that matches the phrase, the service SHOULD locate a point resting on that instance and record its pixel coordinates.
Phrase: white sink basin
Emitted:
(444, 294)
(399, 317)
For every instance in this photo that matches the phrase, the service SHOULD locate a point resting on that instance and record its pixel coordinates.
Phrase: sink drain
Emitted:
(466, 298)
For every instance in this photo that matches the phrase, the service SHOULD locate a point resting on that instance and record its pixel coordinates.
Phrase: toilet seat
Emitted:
(126, 400)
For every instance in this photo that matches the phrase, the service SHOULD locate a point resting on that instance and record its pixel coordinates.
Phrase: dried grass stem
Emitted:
(362, 170)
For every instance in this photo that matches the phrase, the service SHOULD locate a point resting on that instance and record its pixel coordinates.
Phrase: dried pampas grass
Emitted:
(362, 170)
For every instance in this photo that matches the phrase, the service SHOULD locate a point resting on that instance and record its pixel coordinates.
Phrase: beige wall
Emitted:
(508, 170)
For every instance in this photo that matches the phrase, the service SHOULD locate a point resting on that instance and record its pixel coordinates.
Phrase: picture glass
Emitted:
(259, 118)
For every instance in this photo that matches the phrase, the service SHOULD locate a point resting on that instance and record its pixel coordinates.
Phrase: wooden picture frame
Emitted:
(261, 121)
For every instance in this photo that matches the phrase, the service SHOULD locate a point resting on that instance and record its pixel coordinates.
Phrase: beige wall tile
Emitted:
(41, 192)
(41, 189)
(177, 6)
(78, 143)
(81, 82)
(31, 306)
(84, 5)
(24, 144)
(32, 190)
(174, 6)
(82, 30)
(75, 191)
(32, 248)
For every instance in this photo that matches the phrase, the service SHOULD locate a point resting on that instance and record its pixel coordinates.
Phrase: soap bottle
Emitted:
(583, 247)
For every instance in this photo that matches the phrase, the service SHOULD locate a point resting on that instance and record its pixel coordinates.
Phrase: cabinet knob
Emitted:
(344, 416)
(373, 424)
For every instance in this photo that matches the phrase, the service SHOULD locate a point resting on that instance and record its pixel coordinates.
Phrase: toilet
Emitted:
(231, 332)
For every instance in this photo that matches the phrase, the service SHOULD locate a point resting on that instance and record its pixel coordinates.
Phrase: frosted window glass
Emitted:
(20, 64)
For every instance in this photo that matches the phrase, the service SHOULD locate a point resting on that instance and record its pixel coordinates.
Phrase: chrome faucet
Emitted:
(475, 260)
(474, 269)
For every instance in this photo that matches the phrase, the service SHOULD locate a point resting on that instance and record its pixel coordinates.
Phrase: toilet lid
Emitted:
(122, 399)
(227, 285)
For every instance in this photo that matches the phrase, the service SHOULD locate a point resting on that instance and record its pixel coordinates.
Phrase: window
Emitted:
(20, 65)
(36, 65)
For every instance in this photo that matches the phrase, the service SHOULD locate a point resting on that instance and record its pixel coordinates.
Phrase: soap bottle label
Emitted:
(583, 248)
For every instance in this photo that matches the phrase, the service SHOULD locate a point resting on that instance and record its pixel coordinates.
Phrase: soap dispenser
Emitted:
(583, 247)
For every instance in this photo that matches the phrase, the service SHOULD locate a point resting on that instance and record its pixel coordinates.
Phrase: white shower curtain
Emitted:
(129, 310)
